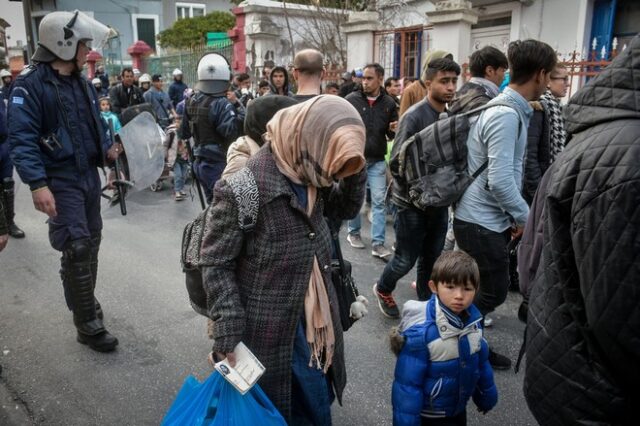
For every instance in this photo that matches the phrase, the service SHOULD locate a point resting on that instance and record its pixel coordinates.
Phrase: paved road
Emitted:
(60, 382)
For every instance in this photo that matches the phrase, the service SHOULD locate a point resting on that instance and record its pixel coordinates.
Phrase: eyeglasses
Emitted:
(565, 79)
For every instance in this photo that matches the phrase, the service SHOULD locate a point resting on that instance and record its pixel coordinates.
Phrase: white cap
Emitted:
(5, 73)
(176, 72)
(136, 71)
(96, 81)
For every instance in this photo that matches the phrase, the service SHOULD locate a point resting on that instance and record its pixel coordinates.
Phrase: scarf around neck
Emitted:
(558, 134)
(314, 144)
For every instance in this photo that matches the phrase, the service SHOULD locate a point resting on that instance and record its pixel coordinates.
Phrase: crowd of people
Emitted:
(552, 209)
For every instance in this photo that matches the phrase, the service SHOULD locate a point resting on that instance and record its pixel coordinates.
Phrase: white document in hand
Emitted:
(246, 372)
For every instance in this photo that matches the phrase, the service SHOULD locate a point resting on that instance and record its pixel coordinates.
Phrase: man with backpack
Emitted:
(492, 211)
(419, 233)
(487, 66)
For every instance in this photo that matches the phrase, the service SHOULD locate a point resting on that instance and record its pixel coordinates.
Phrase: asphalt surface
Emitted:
(48, 378)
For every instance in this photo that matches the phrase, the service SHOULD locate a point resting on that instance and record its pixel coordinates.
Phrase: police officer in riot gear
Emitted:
(7, 185)
(212, 120)
(58, 140)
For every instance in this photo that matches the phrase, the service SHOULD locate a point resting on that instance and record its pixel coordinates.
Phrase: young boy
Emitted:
(442, 356)
(177, 157)
(105, 111)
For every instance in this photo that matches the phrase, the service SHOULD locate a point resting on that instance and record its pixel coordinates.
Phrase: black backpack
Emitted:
(433, 162)
(245, 190)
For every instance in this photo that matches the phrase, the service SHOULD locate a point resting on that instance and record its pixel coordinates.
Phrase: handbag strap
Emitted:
(336, 246)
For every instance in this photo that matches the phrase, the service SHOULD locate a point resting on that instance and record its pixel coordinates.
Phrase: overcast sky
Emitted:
(11, 11)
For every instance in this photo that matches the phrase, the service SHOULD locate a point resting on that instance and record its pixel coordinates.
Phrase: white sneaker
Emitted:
(488, 321)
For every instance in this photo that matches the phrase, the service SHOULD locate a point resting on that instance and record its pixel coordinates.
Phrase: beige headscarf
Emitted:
(314, 143)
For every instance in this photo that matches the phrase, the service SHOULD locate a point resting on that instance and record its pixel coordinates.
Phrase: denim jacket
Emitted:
(494, 199)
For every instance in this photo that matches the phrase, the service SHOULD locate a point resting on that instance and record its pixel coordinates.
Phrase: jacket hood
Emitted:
(286, 79)
(260, 111)
(612, 95)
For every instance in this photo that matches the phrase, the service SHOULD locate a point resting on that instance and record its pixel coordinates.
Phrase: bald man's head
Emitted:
(309, 62)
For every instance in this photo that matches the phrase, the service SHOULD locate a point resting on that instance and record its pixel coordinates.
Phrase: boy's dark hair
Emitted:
(243, 77)
(376, 67)
(333, 85)
(488, 56)
(388, 82)
(126, 69)
(528, 57)
(456, 267)
(443, 65)
(263, 83)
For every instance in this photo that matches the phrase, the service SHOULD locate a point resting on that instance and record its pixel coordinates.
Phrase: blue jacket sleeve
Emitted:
(501, 134)
(410, 373)
(485, 395)
(227, 120)
(24, 125)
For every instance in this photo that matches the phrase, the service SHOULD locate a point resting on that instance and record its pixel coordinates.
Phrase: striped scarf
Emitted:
(558, 134)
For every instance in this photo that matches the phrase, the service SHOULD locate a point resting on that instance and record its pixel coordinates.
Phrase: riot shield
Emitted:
(142, 141)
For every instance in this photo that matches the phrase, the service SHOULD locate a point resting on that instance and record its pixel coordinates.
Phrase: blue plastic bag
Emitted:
(215, 402)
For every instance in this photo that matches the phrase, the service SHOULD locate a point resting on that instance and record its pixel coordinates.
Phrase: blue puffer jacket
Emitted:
(44, 135)
(443, 363)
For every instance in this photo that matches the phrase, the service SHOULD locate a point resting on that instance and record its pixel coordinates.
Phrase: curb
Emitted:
(12, 410)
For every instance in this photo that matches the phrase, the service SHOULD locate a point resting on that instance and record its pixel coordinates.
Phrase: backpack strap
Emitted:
(484, 165)
(245, 191)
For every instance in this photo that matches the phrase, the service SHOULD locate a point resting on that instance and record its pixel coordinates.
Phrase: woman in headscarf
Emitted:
(259, 112)
(279, 300)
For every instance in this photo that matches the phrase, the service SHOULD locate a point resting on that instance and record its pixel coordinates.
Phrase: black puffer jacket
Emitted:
(583, 338)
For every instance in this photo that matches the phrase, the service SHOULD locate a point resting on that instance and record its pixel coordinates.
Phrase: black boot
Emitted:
(95, 248)
(8, 195)
(91, 330)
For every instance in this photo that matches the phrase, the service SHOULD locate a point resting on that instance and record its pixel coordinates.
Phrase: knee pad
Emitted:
(78, 250)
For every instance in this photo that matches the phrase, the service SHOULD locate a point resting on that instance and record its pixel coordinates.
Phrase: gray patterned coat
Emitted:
(259, 299)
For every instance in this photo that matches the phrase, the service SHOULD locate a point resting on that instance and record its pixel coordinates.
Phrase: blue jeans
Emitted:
(420, 236)
(179, 174)
(377, 182)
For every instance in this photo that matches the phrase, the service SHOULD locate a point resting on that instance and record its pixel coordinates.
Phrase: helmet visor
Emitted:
(89, 31)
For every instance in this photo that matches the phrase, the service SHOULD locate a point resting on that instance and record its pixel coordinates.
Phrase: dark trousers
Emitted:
(459, 420)
(420, 236)
(208, 173)
(78, 208)
(489, 249)
(6, 166)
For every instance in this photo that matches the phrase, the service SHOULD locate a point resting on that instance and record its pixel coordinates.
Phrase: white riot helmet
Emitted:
(176, 72)
(60, 33)
(5, 73)
(214, 74)
(144, 78)
(96, 81)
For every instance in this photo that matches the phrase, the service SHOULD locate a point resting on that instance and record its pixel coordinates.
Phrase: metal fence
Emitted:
(186, 61)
